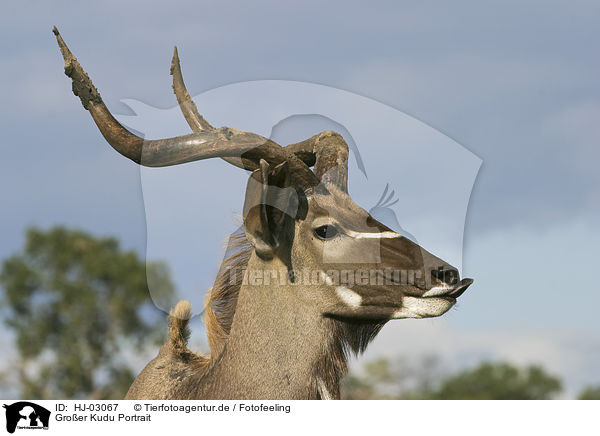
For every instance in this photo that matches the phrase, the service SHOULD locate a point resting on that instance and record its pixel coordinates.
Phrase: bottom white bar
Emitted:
(277, 417)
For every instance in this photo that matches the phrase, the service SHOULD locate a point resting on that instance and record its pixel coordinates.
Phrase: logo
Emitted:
(418, 179)
(26, 415)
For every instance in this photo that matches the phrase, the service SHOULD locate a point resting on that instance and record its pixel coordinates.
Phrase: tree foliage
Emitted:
(383, 379)
(78, 305)
(376, 374)
(498, 381)
(397, 379)
(590, 393)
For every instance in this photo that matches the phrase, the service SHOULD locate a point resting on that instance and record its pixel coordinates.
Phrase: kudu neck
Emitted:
(278, 343)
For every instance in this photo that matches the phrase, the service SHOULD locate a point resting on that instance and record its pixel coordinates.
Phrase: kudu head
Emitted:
(297, 219)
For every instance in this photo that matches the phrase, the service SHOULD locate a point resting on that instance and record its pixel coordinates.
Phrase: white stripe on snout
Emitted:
(438, 290)
(380, 235)
(348, 296)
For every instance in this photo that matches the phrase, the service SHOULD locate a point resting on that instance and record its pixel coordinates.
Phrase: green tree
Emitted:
(356, 388)
(371, 384)
(79, 306)
(497, 381)
(590, 393)
(397, 379)
(422, 379)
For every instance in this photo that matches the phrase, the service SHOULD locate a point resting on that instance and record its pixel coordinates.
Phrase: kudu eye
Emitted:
(326, 232)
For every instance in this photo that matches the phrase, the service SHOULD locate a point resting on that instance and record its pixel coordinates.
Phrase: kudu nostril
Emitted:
(437, 272)
(445, 275)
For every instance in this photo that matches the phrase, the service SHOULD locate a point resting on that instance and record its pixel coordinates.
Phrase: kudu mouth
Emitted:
(460, 288)
(448, 291)
(432, 303)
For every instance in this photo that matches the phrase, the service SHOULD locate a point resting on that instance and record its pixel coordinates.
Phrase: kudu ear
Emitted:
(270, 209)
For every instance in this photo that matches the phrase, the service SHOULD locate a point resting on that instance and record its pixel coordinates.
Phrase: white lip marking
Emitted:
(379, 235)
(438, 290)
(348, 296)
(422, 308)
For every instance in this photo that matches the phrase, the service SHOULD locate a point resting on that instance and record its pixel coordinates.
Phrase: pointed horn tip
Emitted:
(82, 84)
(174, 61)
(62, 45)
(61, 42)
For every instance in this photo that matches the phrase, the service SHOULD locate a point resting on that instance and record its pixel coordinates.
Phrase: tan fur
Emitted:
(222, 299)
(220, 304)
(179, 331)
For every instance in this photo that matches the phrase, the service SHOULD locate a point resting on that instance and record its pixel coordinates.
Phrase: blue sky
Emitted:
(513, 82)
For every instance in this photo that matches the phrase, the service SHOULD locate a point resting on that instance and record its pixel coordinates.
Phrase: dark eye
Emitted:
(326, 232)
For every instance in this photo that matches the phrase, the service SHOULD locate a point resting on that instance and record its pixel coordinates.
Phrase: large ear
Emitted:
(270, 209)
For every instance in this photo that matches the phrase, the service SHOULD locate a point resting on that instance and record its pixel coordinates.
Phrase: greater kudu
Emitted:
(269, 338)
